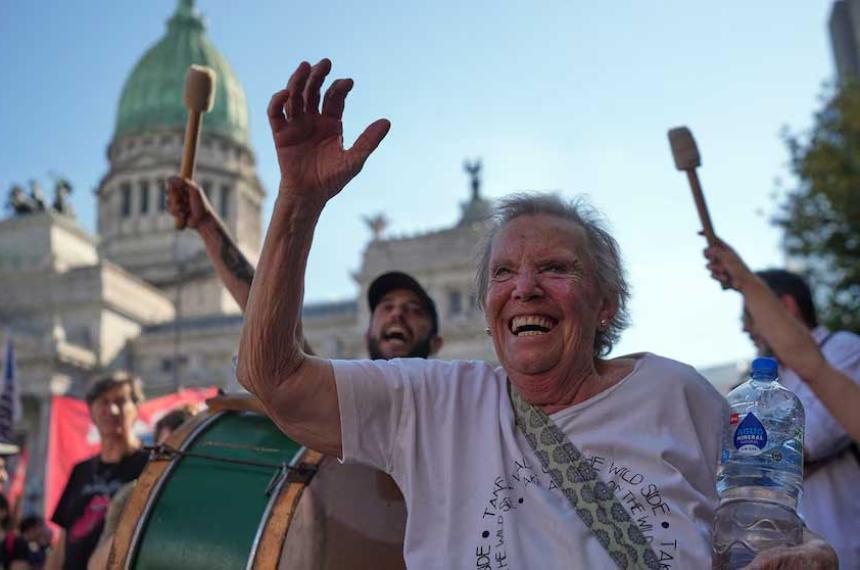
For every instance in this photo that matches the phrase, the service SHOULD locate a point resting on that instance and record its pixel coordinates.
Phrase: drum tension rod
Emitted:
(301, 473)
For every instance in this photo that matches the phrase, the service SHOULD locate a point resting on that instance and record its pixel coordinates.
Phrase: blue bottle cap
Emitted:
(765, 368)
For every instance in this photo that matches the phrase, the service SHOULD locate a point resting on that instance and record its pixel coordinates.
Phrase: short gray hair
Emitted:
(603, 250)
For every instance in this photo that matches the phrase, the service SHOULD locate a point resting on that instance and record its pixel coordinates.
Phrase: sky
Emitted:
(568, 96)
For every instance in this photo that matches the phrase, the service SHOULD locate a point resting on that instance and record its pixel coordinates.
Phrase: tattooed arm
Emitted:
(187, 202)
(235, 270)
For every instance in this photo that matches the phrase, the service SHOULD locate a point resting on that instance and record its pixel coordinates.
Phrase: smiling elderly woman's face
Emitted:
(541, 304)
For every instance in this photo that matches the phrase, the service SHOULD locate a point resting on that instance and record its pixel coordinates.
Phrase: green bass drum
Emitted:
(222, 499)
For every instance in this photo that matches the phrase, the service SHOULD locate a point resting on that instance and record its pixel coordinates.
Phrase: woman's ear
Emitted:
(607, 312)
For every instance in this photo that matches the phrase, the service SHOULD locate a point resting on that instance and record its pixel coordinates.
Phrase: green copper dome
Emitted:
(152, 97)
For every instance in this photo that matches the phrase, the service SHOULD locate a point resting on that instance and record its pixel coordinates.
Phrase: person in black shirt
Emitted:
(168, 423)
(112, 401)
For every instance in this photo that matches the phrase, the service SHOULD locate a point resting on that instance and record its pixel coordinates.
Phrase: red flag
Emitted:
(18, 482)
(16, 487)
(72, 437)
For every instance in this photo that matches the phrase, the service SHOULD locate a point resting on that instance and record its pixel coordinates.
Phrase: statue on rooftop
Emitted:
(377, 224)
(473, 169)
(62, 204)
(475, 209)
(37, 196)
(19, 202)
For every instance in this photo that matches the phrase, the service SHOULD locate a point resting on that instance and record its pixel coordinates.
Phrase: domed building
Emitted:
(143, 297)
(136, 232)
(140, 296)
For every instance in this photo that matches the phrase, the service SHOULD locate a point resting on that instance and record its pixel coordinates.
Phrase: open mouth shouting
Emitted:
(531, 325)
(396, 335)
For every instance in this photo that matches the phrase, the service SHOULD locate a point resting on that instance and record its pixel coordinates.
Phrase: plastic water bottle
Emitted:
(761, 470)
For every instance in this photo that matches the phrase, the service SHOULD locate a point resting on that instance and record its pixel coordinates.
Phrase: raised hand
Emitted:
(309, 140)
(188, 203)
(726, 266)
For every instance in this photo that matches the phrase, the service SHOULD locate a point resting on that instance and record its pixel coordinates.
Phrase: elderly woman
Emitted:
(559, 458)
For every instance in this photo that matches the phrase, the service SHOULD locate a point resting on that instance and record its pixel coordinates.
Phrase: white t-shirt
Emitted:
(830, 503)
(476, 494)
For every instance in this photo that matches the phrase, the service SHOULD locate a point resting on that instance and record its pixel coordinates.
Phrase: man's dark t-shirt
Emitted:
(83, 505)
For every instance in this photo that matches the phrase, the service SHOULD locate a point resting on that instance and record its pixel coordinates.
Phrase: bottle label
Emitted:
(750, 436)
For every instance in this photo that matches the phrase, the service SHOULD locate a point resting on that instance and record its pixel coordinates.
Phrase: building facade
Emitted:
(143, 297)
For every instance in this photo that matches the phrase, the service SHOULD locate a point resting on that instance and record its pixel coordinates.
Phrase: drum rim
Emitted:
(269, 539)
(277, 526)
(165, 475)
(274, 498)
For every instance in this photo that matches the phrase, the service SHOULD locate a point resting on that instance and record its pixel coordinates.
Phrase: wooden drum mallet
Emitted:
(686, 155)
(199, 98)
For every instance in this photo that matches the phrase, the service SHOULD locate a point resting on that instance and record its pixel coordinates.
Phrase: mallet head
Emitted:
(684, 149)
(200, 88)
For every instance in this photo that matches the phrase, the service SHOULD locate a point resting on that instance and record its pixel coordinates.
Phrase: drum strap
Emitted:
(591, 498)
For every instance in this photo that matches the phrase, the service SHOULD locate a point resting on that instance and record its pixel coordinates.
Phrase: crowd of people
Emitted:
(23, 544)
(30, 543)
(560, 456)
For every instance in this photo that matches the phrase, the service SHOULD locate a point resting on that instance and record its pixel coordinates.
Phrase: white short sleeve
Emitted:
(371, 399)
(824, 435)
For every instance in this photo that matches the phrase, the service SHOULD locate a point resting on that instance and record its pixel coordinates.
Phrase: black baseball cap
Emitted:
(399, 280)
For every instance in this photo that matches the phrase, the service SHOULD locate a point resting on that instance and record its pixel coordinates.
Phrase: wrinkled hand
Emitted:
(309, 141)
(813, 554)
(726, 266)
(188, 203)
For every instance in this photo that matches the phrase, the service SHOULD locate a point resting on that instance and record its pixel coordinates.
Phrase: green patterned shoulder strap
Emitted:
(591, 498)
